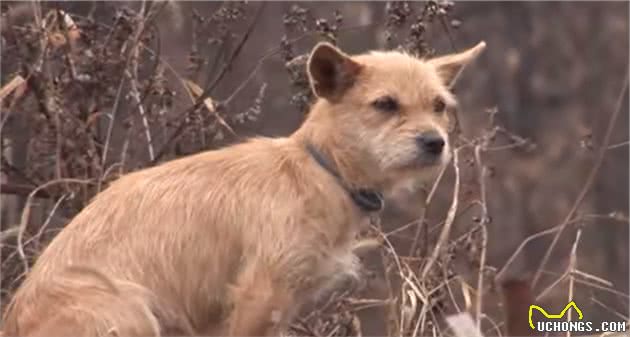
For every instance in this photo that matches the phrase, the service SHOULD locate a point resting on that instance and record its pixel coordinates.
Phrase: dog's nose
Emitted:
(431, 142)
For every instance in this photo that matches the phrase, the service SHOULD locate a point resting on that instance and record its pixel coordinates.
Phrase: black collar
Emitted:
(367, 200)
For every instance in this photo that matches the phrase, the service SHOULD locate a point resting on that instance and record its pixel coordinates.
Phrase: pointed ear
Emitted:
(450, 66)
(331, 71)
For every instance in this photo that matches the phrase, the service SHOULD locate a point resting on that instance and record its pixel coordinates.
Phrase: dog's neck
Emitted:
(320, 131)
(367, 199)
(320, 137)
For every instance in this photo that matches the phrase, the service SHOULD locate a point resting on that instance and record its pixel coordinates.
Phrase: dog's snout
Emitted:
(431, 142)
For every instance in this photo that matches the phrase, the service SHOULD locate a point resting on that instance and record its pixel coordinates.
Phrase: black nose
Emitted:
(431, 142)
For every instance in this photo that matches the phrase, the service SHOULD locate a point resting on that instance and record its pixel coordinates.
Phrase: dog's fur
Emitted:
(234, 241)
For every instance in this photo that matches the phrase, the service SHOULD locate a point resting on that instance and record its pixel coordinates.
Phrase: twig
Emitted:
(548, 231)
(208, 91)
(22, 190)
(589, 180)
(484, 230)
(611, 310)
(404, 227)
(135, 93)
(8, 88)
(522, 246)
(243, 84)
(495, 326)
(444, 25)
(399, 266)
(237, 50)
(26, 212)
(7, 233)
(6, 165)
(572, 269)
(449, 220)
(110, 128)
(182, 125)
(552, 285)
(423, 210)
(618, 145)
(42, 229)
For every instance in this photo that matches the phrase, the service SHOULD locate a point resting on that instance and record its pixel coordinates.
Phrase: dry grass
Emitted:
(103, 102)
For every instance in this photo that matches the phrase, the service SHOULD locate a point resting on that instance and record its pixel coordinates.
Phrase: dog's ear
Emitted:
(331, 71)
(450, 66)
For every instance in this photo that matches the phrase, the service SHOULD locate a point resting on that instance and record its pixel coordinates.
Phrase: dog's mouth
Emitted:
(427, 160)
(421, 163)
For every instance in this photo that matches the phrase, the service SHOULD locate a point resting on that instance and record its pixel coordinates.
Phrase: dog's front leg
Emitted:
(262, 304)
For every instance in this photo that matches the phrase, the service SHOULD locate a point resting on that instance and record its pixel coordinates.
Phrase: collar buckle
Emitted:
(368, 200)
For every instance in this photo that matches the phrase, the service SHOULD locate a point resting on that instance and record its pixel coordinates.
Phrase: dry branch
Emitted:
(22, 190)
(589, 180)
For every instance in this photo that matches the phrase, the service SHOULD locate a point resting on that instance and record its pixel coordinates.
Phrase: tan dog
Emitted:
(234, 241)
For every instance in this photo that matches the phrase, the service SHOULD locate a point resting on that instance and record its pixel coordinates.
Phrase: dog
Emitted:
(235, 241)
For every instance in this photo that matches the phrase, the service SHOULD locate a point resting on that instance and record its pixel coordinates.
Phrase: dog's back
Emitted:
(151, 228)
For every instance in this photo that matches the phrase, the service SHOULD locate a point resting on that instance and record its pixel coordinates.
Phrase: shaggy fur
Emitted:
(235, 241)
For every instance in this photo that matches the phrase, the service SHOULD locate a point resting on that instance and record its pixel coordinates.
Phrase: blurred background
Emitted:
(91, 90)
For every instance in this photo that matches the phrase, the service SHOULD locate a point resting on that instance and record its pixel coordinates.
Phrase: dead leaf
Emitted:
(56, 39)
(466, 293)
(17, 84)
(193, 89)
(224, 123)
(209, 103)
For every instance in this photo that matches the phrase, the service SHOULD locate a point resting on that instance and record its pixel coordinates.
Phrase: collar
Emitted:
(368, 200)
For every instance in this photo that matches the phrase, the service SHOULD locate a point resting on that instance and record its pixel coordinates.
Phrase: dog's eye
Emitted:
(386, 104)
(439, 105)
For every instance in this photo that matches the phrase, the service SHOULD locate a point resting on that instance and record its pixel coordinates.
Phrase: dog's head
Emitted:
(396, 108)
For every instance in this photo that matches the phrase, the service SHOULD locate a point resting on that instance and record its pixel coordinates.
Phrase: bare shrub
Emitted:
(89, 94)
